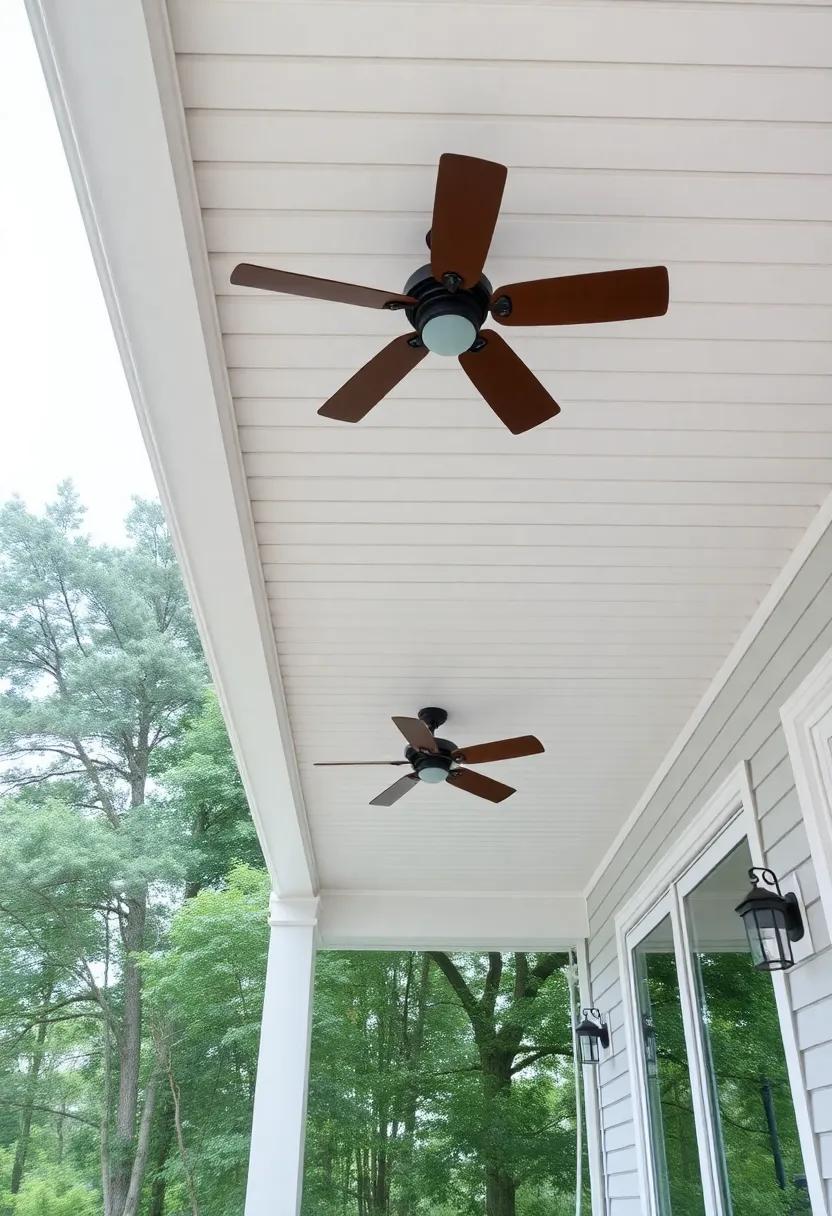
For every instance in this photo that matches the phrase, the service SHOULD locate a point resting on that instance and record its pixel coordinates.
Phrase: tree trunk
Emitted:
(180, 1141)
(500, 1185)
(409, 1191)
(500, 1193)
(122, 1149)
(134, 1182)
(22, 1148)
(156, 1206)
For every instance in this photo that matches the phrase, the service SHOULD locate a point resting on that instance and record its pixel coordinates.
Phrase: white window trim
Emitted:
(803, 717)
(727, 818)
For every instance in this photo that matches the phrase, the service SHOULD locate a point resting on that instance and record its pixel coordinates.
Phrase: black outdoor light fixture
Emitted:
(772, 921)
(592, 1035)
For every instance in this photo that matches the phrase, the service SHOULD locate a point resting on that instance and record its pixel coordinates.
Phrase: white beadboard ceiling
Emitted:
(584, 581)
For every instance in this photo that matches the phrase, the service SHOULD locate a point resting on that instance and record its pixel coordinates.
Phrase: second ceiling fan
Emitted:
(447, 303)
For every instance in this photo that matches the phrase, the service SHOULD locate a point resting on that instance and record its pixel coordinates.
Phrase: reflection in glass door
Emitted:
(759, 1165)
(675, 1154)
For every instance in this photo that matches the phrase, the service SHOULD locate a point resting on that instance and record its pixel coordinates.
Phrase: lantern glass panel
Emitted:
(768, 939)
(589, 1048)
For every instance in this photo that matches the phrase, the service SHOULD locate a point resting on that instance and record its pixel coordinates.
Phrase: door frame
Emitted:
(726, 819)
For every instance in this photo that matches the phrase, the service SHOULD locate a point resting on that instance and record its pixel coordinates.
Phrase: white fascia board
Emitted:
(427, 920)
(111, 75)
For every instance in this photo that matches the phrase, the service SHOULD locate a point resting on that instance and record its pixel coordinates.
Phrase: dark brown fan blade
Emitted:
(515, 395)
(374, 381)
(417, 734)
(246, 275)
(501, 749)
(465, 209)
(584, 299)
(350, 763)
(476, 783)
(395, 791)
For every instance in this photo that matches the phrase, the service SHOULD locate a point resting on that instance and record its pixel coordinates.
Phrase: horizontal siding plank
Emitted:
(520, 546)
(279, 314)
(622, 1136)
(621, 1161)
(525, 491)
(781, 818)
(528, 236)
(774, 787)
(626, 1184)
(553, 142)
(783, 470)
(825, 1144)
(697, 281)
(549, 440)
(546, 354)
(364, 85)
(626, 1207)
(721, 418)
(790, 851)
(614, 1114)
(765, 760)
(809, 982)
(317, 384)
(265, 186)
(820, 1103)
(817, 1063)
(814, 1023)
(638, 33)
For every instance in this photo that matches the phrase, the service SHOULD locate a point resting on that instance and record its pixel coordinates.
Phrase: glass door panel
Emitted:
(758, 1152)
(675, 1155)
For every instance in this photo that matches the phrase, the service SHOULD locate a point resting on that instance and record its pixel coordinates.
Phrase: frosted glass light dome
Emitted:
(449, 334)
(432, 774)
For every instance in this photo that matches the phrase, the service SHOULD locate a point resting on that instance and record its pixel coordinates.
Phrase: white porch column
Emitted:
(275, 1170)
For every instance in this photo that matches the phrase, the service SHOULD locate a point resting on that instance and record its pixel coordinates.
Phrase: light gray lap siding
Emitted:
(743, 724)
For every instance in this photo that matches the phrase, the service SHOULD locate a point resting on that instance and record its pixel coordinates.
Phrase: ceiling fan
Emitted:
(447, 302)
(433, 760)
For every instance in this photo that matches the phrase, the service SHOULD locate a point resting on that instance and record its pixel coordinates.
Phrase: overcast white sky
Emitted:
(65, 410)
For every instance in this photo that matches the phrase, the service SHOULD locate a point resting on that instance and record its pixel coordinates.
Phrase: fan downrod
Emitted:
(433, 717)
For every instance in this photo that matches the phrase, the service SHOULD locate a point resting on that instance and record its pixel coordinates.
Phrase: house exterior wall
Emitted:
(743, 724)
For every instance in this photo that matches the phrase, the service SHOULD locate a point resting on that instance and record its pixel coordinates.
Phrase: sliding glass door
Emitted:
(675, 1160)
(712, 1084)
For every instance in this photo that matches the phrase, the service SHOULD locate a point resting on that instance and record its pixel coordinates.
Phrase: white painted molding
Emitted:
(781, 584)
(390, 920)
(595, 1151)
(807, 723)
(111, 75)
(297, 912)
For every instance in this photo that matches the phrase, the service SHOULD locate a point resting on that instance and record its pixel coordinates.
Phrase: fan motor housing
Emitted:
(437, 303)
(442, 759)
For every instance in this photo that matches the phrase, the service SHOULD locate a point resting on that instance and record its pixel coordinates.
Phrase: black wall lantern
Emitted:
(772, 922)
(592, 1035)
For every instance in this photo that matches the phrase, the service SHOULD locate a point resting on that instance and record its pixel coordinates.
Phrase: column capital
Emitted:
(293, 911)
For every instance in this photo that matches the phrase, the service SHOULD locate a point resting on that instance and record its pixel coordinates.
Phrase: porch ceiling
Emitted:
(584, 582)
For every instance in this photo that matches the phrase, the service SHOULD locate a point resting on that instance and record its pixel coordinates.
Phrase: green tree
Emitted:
(101, 668)
(513, 1028)
(205, 994)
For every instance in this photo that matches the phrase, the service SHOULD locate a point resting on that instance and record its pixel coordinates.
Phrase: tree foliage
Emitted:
(133, 941)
